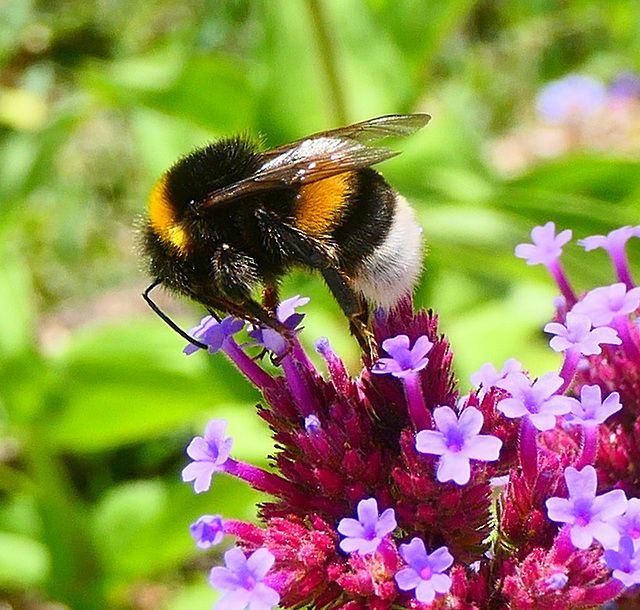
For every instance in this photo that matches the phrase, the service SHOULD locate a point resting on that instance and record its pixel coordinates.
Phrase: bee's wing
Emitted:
(390, 125)
(322, 155)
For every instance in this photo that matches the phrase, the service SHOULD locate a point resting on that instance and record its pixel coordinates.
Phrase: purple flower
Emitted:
(242, 581)
(425, 572)
(590, 410)
(209, 455)
(576, 335)
(574, 95)
(285, 313)
(207, 531)
(605, 303)
(546, 247)
(213, 333)
(625, 562)
(403, 361)
(589, 516)
(488, 377)
(629, 523)
(536, 400)
(365, 533)
(614, 243)
(625, 85)
(457, 441)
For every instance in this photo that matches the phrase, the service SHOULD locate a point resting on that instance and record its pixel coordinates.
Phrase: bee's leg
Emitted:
(166, 319)
(271, 297)
(354, 307)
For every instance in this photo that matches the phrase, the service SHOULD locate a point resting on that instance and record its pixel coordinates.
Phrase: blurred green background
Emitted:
(97, 99)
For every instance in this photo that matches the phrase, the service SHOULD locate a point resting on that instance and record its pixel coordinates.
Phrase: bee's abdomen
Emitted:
(381, 241)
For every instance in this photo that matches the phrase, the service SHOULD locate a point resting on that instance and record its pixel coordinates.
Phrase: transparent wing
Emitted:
(372, 130)
(322, 155)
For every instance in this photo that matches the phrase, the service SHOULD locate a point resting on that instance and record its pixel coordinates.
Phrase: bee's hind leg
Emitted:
(355, 308)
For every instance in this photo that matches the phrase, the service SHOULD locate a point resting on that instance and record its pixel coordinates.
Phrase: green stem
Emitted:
(329, 63)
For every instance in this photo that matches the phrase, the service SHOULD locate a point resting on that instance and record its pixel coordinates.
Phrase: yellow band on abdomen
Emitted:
(321, 204)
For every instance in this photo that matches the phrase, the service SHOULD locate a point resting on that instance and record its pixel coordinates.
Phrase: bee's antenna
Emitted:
(167, 319)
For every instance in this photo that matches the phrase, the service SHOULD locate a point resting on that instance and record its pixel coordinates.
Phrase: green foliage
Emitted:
(96, 99)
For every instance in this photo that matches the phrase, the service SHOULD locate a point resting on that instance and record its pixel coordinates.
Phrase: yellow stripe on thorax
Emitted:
(163, 218)
(321, 204)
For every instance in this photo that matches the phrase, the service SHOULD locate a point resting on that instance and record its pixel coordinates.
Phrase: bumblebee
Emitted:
(229, 219)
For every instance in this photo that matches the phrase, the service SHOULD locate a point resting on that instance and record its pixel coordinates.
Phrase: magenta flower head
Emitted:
(209, 455)
(207, 531)
(213, 333)
(576, 335)
(365, 533)
(625, 562)
(537, 400)
(404, 360)
(589, 516)
(242, 581)
(457, 441)
(425, 571)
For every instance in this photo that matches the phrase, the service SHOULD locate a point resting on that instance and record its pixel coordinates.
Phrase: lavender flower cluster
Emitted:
(389, 490)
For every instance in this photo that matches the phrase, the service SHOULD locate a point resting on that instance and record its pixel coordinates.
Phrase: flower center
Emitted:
(426, 573)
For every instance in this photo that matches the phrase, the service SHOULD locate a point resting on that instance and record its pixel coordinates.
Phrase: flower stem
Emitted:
(621, 324)
(589, 446)
(529, 450)
(252, 371)
(420, 416)
(621, 266)
(568, 370)
(299, 389)
(257, 477)
(560, 278)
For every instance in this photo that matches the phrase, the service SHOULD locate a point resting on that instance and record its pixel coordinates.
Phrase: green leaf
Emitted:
(24, 562)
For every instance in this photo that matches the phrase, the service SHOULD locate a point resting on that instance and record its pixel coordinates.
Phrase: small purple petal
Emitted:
(403, 361)
(365, 534)
(209, 454)
(546, 247)
(207, 531)
(241, 581)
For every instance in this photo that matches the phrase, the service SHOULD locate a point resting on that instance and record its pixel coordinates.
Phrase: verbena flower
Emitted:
(538, 400)
(213, 333)
(614, 243)
(628, 524)
(241, 581)
(207, 531)
(589, 516)
(591, 410)
(365, 533)
(576, 334)
(488, 376)
(425, 571)
(572, 96)
(399, 435)
(404, 360)
(625, 562)
(209, 454)
(457, 441)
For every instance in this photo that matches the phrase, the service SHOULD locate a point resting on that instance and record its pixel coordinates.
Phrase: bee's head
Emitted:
(177, 195)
